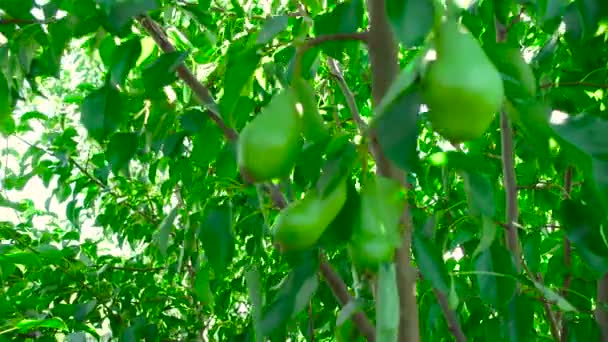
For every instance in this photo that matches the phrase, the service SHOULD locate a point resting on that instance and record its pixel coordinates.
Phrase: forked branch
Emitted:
(202, 93)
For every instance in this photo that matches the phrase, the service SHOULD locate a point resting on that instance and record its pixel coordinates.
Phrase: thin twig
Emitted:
(336, 72)
(574, 84)
(202, 93)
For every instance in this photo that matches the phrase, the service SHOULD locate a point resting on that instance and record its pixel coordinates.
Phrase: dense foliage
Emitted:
(131, 209)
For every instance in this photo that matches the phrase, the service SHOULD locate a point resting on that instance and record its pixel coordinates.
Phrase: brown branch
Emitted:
(341, 293)
(335, 71)
(199, 90)
(453, 323)
(574, 84)
(383, 55)
(567, 252)
(510, 185)
(601, 314)
(511, 197)
(316, 41)
(17, 21)
(333, 279)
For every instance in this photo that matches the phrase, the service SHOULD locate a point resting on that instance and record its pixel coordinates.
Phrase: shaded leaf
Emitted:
(201, 287)
(241, 63)
(272, 27)
(120, 12)
(123, 60)
(161, 72)
(164, 231)
(411, 20)
(430, 262)
(495, 270)
(102, 112)
(217, 236)
(398, 132)
(121, 149)
(480, 195)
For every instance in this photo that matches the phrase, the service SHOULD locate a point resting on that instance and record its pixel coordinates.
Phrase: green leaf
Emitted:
(161, 72)
(120, 12)
(22, 258)
(346, 17)
(256, 297)
(339, 231)
(553, 297)
(387, 304)
(123, 60)
(403, 82)
(121, 148)
(495, 271)
(582, 225)
(411, 20)
(348, 310)
(397, 131)
(480, 195)
(102, 112)
(242, 63)
(202, 290)
(164, 231)
(206, 145)
(5, 98)
(582, 18)
(272, 27)
(193, 120)
(520, 320)
(217, 236)
(82, 310)
(294, 294)
(31, 324)
(225, 163)
(430, 262)
(585, 132)
(488, 234)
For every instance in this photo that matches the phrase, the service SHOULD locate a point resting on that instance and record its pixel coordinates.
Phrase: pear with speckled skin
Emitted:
(462, 88)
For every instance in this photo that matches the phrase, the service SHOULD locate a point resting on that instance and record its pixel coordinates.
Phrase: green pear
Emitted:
(269, 145)
(462, 88)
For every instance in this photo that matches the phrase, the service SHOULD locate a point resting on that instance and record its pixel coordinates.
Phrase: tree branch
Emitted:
(335, 71)
(453, 323)
(318, 40)
(510, 184)
(340, 291)
(385, 66)
(202, 93)
(567, 252)
(601, 315)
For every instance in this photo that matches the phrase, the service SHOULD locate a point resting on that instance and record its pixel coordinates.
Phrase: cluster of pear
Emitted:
(463, 87)
(268, 148)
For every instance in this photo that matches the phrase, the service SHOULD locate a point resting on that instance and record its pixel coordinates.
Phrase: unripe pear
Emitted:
(269, 145)
(462, 88)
